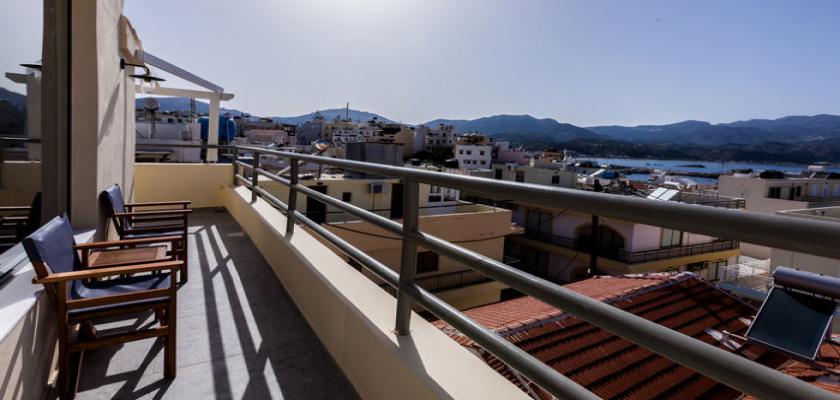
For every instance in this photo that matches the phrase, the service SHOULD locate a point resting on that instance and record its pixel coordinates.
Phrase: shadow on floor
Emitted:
(239, 334)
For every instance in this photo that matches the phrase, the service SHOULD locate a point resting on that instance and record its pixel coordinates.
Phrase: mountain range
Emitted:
(792, 139)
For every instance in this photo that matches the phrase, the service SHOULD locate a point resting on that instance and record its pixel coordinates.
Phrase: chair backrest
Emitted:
(113, 201)
(33, 220)
(51, 247)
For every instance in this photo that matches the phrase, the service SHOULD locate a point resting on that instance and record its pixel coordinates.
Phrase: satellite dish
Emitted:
(151, 103)
(321, 145)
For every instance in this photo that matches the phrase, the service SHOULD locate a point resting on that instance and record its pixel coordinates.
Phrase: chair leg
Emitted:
(63, 387)
(184, 256)
(170, 365)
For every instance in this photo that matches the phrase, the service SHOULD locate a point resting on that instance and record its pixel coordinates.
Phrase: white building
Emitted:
(473, 151)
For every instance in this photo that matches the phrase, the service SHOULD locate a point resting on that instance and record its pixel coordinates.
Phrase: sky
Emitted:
(583, 62)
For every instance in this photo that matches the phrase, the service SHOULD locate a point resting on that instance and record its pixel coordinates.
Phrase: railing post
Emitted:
(235, 166)
(255, 177)
(292, 203)
(408, 260)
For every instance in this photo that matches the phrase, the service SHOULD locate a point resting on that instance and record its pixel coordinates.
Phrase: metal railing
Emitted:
(633, 257)
(816, 237)
(753, 275)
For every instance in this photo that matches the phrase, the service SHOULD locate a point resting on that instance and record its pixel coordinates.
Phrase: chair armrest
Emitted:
(159, 203)
(126, 242)
(172, 265)
(153, 213)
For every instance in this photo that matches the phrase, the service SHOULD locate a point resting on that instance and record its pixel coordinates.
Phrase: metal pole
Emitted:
(235, 166)
(408, 260)
(255, 177)
(293, 180)
(594, 242)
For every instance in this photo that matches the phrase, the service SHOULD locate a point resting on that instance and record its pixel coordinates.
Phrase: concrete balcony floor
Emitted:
(240, 336)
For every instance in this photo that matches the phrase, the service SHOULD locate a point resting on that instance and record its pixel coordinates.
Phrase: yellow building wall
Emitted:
(19, 181)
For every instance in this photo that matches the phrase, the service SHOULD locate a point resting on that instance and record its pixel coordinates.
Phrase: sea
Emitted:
(707, 167)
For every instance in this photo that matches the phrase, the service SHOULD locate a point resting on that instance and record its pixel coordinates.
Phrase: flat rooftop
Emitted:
(239, 334)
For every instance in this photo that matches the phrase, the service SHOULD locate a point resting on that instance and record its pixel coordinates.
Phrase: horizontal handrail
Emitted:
(806, 236)
(745, 375)
(728, 368)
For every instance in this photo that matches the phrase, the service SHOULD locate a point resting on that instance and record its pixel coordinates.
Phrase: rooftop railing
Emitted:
(634, 257)
(815, 237)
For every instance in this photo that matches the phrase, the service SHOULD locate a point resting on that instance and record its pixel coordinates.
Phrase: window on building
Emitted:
(469, 152)
(347, 197)
(483, 162)
(460, 151)
(520, 176)
(555, 180)
(671, 237)
(774, 192)
(427, 261)
(696, 267)
(498, 173)
(538, 222)
(481, 152)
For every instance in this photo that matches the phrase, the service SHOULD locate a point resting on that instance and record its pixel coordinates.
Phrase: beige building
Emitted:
(477, 227)
(774, 195)
(556, 176)
(808, 262)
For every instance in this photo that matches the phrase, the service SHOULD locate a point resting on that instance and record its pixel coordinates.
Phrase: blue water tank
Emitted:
(227, 128)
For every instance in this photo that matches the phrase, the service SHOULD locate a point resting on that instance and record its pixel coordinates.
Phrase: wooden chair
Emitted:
(83, 296)
(138, 221)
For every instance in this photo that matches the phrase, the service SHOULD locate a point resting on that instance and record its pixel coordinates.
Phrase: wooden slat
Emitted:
(128, 242)
(113, 339)
(118, 257)
(111, 271)
(117, 298)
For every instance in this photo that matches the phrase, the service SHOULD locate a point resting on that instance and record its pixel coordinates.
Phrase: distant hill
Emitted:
(794, 129)
(12, 119)
(331, 114)
(521, 128)
(14, 98)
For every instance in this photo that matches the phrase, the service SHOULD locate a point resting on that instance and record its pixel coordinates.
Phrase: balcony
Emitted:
(240, 335)
(353, 319)
(635, 257)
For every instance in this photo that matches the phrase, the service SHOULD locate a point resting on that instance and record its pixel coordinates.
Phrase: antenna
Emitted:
(347, 111)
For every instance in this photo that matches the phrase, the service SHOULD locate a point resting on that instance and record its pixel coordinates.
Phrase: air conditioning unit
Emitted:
(378, 188)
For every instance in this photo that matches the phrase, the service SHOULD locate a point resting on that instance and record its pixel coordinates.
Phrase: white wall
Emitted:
(102, 95)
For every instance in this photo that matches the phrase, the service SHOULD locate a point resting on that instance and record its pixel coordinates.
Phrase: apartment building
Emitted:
(439, 137)
(473, 151)
(552, 175)
(481, 228)
(559, 244)
(779, 192)
(504, 153)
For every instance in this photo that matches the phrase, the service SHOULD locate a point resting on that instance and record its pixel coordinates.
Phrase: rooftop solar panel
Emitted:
(793, 322)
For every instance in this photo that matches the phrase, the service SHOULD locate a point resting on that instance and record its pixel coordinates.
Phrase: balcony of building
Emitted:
(634, 257)
(271, 310)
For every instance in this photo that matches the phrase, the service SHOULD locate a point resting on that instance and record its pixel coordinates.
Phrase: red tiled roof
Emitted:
(612, 367)
(524, 310)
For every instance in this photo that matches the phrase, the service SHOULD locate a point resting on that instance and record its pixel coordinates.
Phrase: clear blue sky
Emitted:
(584, 62)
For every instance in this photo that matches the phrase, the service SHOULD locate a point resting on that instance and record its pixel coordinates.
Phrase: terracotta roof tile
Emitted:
(612, 367)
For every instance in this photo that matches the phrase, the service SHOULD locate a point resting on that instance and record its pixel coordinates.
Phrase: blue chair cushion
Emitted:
(86, 290)
(53, 245)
